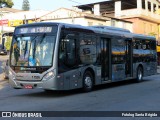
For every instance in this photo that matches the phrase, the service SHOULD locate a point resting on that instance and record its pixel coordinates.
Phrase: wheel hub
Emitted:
(88, 82)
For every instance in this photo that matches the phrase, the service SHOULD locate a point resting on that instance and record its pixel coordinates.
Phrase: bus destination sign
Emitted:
(34, 30)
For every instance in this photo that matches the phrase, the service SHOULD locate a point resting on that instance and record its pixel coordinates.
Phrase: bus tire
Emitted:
(17, 88)
(139, 76)
(5, 76)
(87, 81)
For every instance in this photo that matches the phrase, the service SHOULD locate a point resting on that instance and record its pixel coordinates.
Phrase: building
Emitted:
(10, 18)
(85, 18)
(4, 22)
(23, 17)
(145, 14)
(66, 15)
(5, 10)
(114, 22)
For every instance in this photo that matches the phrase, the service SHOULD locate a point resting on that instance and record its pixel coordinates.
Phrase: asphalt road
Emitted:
(121, 96)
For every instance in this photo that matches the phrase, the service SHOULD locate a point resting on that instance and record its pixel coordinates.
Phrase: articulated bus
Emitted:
(59, 56)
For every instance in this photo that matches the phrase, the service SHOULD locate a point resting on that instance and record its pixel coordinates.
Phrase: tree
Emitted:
(152, 34)
(8, 43)
(6, 3)
(25, 5)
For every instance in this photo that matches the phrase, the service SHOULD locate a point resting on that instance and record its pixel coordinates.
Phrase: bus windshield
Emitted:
(32, 50)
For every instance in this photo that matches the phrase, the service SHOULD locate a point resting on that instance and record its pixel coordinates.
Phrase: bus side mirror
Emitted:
(3, 42)
(7, 62)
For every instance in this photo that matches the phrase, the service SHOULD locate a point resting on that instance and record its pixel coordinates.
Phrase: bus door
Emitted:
(129, 62)
(104, 58)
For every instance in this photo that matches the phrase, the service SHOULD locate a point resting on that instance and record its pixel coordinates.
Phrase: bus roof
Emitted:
(140, 36)
(95, 29)
(111, 28)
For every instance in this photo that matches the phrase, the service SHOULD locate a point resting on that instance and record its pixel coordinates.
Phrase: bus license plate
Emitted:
(28, 86)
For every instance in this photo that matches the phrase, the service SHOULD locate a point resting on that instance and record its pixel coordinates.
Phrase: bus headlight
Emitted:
(11, 75)
(49, 75)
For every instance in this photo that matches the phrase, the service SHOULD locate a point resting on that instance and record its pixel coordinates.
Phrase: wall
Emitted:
(120, 24)
(81, 21)
(145, 27)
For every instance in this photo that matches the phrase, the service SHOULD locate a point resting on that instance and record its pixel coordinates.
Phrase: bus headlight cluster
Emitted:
(49, 75)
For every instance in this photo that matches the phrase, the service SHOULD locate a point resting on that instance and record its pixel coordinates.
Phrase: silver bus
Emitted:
(59, 56)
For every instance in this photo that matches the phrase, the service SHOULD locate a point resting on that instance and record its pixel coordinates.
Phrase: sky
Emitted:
(52, 4)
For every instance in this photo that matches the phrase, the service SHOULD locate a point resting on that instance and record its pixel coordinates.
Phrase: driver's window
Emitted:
(70, 47)
(67, 52)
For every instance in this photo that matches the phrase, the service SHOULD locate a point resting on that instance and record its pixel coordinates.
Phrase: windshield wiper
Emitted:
(43, 36)
(36, 42)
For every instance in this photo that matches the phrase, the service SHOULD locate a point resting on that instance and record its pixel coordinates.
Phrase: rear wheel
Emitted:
(139, 74)
(87, 81)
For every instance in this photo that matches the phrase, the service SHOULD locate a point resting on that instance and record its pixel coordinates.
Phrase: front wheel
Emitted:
(87, 81)
(139, 74)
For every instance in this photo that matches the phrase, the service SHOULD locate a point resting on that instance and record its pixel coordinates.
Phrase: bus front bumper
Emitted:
(32, 85)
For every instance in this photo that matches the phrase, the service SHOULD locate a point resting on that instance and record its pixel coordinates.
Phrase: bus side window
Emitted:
(144, 44)
(137, 44)
(153, 45)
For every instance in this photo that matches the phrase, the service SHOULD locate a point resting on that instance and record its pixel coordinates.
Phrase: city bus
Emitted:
(59, 56)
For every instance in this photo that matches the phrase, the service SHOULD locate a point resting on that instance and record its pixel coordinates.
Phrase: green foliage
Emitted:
(8, 42)
(6, 3)
(152, 34)
(25, 5)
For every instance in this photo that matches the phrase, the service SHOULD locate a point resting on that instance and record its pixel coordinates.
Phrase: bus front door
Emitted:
(105, 59)
(128, 63)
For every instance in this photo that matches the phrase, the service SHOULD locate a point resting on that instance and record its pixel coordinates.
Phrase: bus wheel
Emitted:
(17, 88)
(87, 81)
(5, 76)
(139, 74)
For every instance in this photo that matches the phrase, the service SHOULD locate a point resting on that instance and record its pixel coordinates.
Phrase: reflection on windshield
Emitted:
(32, 51)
